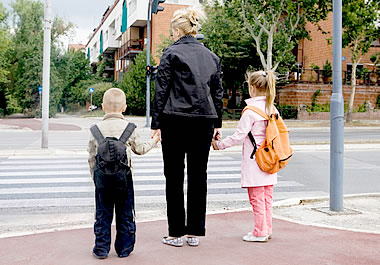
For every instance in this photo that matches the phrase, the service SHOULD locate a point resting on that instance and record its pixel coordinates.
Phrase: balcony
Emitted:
(130, 49)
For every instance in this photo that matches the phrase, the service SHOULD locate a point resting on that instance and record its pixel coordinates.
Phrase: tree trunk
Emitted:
(352, 96)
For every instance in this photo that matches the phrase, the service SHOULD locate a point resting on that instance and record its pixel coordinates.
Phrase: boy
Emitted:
(109, 148)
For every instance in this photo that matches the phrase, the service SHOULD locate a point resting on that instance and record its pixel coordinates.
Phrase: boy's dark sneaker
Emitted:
(123, 255)
(99, 256)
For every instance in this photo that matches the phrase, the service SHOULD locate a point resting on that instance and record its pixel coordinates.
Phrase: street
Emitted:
(43, 191)
(54, 191)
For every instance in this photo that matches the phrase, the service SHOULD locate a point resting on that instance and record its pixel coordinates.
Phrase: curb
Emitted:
(295, 202)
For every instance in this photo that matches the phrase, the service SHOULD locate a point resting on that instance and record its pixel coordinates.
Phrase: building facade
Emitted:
(122, 33)
(306, 79)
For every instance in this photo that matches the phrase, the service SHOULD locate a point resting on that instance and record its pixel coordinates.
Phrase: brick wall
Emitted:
(317, 49)
(301, 94)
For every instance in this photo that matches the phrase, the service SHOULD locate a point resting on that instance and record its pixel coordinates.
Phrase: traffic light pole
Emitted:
(46, 75)
(148, 64)
(337, 115)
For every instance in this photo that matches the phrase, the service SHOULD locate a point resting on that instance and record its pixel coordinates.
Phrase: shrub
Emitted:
(288, 111)
(97, 96)
(134, 85)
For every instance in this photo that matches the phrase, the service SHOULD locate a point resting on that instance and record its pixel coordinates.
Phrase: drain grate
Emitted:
(346, 211)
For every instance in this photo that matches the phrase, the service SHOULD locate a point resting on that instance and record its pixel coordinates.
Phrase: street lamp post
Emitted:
(46, 75)
(337, 115)
(153, 7)
(148, 64)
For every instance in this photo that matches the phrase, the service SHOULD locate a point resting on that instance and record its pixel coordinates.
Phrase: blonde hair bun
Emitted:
(187, 20)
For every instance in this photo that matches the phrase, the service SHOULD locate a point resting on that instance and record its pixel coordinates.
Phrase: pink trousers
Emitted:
(261, 200)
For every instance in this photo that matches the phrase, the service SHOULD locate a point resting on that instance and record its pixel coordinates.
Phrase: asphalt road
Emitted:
(28, 139)
(50, 192)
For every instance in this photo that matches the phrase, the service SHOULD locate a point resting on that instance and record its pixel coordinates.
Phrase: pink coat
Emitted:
(251, 174)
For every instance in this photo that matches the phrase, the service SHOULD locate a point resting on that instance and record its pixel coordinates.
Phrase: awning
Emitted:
(124, 17)
(101, 42)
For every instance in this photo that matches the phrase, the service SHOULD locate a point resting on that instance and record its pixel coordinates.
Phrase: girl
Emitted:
(258, 183)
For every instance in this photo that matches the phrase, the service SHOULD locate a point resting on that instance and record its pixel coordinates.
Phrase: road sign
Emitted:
(40, 89)
(91, 90)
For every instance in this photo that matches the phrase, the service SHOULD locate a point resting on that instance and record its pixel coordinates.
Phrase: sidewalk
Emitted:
(292, 243)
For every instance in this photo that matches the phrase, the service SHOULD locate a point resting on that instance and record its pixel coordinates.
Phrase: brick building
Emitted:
(315, 52)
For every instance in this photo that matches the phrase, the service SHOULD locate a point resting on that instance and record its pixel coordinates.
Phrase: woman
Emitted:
(187, 112)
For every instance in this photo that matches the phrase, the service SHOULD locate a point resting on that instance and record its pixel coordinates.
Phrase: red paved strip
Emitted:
(36, 125)
(291, 244)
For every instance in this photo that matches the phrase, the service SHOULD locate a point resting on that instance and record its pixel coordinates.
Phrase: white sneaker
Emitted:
(175, 242)
(269, 236)
(251, 238)
(192, 241)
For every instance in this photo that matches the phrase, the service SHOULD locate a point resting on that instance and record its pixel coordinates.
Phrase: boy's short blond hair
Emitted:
(114, 100)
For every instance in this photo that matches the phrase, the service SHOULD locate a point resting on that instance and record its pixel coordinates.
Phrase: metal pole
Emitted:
(39, 108)
(337, 115)
(46, 75)
(91, 99)
(147, 64)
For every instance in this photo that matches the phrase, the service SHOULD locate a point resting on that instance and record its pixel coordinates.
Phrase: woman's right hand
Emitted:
(214, 145)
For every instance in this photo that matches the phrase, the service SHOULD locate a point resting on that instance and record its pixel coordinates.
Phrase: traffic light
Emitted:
(148, 69)
(156, 6)
(151, 71)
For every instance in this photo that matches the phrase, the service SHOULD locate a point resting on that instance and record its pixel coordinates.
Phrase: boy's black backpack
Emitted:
(111, 169)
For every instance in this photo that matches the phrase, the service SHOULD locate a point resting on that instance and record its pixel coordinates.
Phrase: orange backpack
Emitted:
(275, 152)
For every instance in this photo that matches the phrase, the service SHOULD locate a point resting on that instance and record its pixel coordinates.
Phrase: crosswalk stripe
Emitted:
(44, 173)
(161, 186)
(66, 182)
(88, 179)
(84, 165)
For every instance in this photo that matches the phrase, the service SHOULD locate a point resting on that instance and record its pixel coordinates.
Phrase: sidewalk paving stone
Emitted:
(291, 244)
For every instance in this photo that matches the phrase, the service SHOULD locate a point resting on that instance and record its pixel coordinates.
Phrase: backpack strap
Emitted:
(127, 132)
(257, 110)
(97, 134)
(254, 144)
(262, 114)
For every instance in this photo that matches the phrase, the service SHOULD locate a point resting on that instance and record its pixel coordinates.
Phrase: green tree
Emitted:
(277, 25)
(5, 48)
(26, 58)
(165, 42)
(360, 29)
(225, 36)
(134, 85)
(5, 45)
(73, 67)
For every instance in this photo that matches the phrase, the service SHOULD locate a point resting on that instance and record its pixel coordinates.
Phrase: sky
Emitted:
(85, 14)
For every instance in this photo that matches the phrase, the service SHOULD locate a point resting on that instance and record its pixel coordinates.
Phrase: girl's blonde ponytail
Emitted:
(270, 91)
(263, 81)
